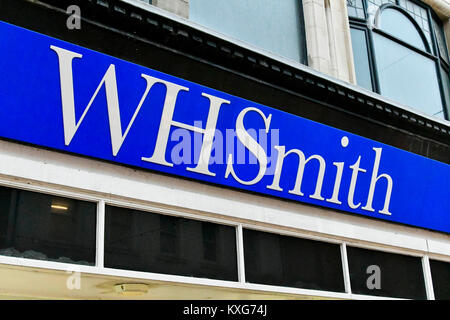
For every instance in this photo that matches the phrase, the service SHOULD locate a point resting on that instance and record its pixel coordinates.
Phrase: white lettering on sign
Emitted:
(246, 138)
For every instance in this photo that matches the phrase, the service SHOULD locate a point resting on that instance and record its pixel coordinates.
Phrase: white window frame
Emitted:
(100, 269)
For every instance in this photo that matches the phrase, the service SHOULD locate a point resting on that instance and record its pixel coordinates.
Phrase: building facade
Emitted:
(117, 180)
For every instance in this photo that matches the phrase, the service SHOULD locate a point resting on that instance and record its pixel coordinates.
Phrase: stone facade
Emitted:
(327, 32)
(179, 7)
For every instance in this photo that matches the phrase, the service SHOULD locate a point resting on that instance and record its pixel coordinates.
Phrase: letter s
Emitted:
(251, 144)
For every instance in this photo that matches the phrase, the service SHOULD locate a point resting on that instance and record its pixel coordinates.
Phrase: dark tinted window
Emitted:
(149, 242)
(385, 274)
(45, 227)
(440, 272)
(292, 262)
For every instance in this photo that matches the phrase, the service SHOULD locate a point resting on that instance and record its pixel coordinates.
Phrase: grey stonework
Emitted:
(179, 7)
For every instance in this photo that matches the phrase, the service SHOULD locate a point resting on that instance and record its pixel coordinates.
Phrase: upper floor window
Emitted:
(274, 26)
(400, 52)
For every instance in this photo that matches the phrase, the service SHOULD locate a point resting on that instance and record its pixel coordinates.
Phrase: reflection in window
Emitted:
(149, 242)
(45, 227)
(292, 262)
(275, 26)
(407, 76)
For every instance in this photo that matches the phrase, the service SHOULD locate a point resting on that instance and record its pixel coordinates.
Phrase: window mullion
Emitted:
(345, 269)
(100, 235)
(240, 253)
(427, 277)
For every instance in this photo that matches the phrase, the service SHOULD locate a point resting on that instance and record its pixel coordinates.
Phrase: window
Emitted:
(361, 58)
(400, 52)
(440, 273)
(292, 262)
(44, 227)
(385, 274)
(150, 242)
(59, 229)
(275, 26)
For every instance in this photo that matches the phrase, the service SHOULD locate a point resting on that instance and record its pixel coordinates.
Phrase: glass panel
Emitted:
(385, 274)
(374, 4)
(407, 77)
(419, 14)
(397, 24)
(45, 227)
(446, 85)
(275, 26)
(292, 262)
(440, 273)
(440, 38)
(149, 242)
(355, 9)
(361, 58)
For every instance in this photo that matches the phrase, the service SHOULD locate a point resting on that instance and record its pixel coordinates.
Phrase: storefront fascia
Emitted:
(32, 168)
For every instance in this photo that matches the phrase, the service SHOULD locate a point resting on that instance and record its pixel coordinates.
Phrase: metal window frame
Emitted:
(432, 52)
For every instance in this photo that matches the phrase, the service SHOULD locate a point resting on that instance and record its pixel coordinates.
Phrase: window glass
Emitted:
(446, 85)
(378, 3)
(420, 15)
(397, 24)
(361, 58)
(440, 273)
(275, 26)
(45, 227)
(373, 5)
(292, 262)
(440, 38)
(406, 76)
(355, 8)
(149, 242)
(385, 274)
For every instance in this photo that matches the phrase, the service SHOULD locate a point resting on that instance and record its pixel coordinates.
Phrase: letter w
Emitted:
(112, 99)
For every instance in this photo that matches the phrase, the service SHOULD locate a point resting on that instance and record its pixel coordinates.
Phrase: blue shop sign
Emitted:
(61, 96)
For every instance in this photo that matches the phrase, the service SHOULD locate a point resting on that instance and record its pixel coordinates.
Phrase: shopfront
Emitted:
(142, 156)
